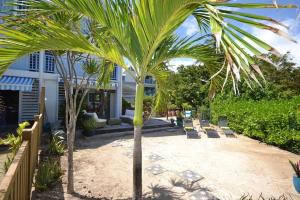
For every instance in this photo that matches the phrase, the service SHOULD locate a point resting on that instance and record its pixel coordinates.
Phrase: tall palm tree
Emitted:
(141, 34)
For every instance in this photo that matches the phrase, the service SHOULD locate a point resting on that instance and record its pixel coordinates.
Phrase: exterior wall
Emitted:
(51, 81)
(129, 87)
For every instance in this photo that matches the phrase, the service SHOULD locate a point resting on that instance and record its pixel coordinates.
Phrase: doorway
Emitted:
(9, 107)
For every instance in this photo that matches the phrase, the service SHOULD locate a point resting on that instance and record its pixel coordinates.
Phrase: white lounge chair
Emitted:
(100, 123)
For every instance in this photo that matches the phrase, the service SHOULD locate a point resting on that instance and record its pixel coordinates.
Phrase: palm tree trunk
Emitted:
(137, 152)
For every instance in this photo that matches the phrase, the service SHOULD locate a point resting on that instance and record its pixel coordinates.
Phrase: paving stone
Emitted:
(155, 157)
(190, 176)
(156, 169)
(202, 195)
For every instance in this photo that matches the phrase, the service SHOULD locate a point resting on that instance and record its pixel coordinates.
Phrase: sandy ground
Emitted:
(231, 167)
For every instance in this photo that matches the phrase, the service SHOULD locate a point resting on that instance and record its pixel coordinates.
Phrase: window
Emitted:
(49, 62)
(114, 74)
(149, 80)
(22, 7)
(34, 61)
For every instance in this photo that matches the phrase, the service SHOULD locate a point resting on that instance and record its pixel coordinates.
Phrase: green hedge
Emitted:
(275, 122)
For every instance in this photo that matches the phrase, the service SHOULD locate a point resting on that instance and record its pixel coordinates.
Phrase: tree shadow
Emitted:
(159, 192)
(188, 186)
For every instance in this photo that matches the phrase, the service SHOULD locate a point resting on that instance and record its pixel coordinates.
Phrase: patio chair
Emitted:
(204, 124)
(223, 124)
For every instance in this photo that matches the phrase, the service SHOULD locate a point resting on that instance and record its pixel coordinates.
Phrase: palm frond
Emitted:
(238, 45)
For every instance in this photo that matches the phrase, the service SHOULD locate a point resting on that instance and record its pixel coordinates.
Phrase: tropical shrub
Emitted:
(56, 146)
(126, 106)
(49, 172)
(274, 122)
(89, 124)
(14, 141)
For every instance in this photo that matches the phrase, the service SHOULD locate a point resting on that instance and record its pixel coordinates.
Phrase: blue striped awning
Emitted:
(16, 83)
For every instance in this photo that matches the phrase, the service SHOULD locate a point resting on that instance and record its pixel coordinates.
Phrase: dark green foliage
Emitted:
(190, 86)
(274, 122)
(89, 124)
(49, 172)
(125, 106)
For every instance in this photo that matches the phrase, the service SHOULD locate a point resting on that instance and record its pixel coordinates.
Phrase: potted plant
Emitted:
(296, 177)
(89, 126)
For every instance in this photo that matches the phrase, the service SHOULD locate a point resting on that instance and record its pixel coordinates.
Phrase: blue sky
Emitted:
(286, 16)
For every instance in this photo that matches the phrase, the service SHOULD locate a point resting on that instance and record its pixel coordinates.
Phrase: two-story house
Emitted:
(21, 83)
(129, 87)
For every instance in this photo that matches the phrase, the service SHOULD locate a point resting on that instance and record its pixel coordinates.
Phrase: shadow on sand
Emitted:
(157, 192)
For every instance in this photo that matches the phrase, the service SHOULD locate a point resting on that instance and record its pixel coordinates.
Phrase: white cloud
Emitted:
(190, 26)
(175, 63)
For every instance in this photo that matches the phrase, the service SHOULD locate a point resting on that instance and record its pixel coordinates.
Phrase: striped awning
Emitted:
(16, 83)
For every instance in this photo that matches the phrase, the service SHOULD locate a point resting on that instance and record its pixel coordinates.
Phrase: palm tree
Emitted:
(141, 34)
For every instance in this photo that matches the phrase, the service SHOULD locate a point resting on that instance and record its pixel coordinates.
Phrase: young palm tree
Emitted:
(142, 33)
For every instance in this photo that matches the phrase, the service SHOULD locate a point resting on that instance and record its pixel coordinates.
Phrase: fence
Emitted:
(17, 182)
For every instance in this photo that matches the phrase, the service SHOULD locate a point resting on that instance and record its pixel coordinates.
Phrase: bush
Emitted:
(56, 146)
(49, 172)
(89, 124)
(14, 141)
(125, 106)
(274, 122)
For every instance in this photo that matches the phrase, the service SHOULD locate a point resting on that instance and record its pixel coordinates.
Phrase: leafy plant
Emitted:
(49, 172)
(296, 167)
(89, 124)
(56, 146)
(274, 122)
(261, 197)
(14, 141)
(7, 162)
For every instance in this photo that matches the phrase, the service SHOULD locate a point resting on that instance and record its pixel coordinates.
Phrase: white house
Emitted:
(129, 87)
(21, 83)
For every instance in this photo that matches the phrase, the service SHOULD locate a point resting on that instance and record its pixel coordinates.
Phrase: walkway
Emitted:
(227, 168)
